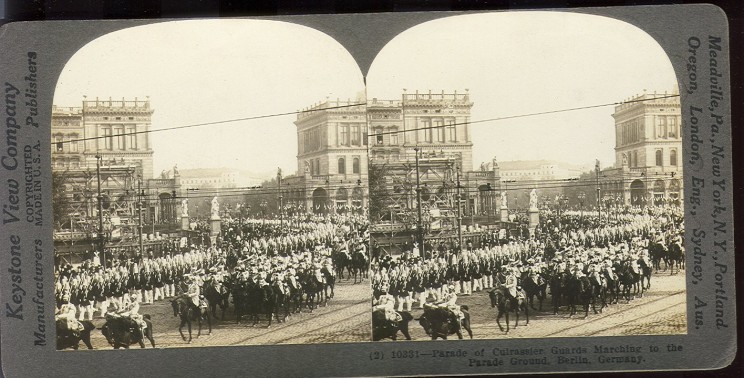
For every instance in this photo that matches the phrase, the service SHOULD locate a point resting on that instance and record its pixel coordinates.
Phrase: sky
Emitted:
(210, 70)
(512, 63)
(528, 62)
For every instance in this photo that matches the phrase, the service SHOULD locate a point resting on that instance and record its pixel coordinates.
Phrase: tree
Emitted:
(379, 194)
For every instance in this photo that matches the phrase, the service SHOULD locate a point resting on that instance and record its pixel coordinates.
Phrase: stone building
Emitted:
(110, 137)
(331, 159)
(648, 151)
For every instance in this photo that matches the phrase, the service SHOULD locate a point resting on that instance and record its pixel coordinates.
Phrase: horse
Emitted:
(359, 265)
(557, 285)
(313, 290)
(187, 312)
(676, 256)
(383, 328)
(646, 270)
(261, 301)
(534, 286)
(441, 322)
(658, 253)
(121, 331)
(330, 280)
(67, 338)
(630, 279)
(581, 291)
(505, 305)
(341, 261)
(281, 298)
(295, 293)
(612, 286)
(216, 294)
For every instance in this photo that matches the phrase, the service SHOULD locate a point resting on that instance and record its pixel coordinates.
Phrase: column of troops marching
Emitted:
(572, 260)
(271, 268)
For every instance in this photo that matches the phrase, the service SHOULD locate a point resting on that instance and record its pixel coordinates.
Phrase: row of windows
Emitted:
(118, 138)
(667, 127)
(631, 132)
(632, 158)
(660, 157)
(63, 143)
(66, 163)
(355, 165)
(352, 135)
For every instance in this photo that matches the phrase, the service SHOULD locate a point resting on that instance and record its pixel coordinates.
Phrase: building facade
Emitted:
(108, 141)
(338, 140)
(331, 159)
(648, 151)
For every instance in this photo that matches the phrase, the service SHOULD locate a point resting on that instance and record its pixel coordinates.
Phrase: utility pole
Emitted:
(139, 207)
(459, 212)
(420, 229)
(101, 242)
(281, 203)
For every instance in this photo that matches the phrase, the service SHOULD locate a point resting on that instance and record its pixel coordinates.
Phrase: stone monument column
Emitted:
(533, 212)
(504, 208)
(184, 214)
(214, 222)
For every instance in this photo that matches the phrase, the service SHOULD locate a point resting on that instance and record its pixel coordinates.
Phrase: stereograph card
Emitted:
(424, 193)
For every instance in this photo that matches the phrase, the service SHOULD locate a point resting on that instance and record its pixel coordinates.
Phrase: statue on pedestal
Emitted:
(533, 199)
(185, 207)
(503, 200)
(215, 208)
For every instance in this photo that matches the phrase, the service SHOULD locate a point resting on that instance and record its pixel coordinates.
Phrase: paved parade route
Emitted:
(345, 319)
(662, 310)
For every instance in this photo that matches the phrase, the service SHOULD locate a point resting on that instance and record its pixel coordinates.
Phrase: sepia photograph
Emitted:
(210, 188)
(525, 175)
(465, 192)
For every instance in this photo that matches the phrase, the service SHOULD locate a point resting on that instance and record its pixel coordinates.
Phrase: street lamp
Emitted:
(263, 205)
(582, 197)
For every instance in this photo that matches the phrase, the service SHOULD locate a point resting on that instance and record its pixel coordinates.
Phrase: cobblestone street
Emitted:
(662, 310)
(345, 319)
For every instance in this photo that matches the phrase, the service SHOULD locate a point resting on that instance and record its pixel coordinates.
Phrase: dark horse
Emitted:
(330, 280)
(558, 283)
(261, 301)
(71, 339)
(217, 294)
(383, 328)
(534, 286)
(441, 322)
(676, 257)
(359, 265)
(581, 291)
(122, 331)
(630, 281)
(506, 305)
(183, 308)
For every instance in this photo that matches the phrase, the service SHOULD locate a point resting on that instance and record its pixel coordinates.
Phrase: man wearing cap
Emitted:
(67, 312)
(386, 302)
(510, 283)
(132, 311)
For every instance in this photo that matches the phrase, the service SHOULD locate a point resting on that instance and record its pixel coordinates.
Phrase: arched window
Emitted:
(673, 157)
(355, 165)
(341, 166)
(659, 158)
